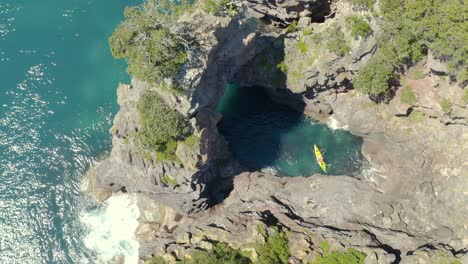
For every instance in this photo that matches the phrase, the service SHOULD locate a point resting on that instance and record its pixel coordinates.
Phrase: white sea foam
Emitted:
(334, 124)
(111, 229)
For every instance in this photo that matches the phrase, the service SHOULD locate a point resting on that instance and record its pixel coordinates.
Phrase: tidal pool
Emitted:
(265, 135)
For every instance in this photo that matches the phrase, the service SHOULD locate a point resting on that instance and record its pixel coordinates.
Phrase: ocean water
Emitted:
(264, 135)
(57, 101)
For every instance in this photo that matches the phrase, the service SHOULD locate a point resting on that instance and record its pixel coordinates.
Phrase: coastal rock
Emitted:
(395, 211)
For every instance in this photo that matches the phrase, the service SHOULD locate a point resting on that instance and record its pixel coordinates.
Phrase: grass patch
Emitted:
(274, 250)
(168, 180)
(167, 152)
(358, 26)
(465, 96)
(215, 6)
(335, 40)
(192, 141)
(350, 256)
(283, 67)
(292, 27)
(418, 75)
(301, 45)
(446, 106)
(365, 4)
(416, 117)
(307, 31)
(408, 96)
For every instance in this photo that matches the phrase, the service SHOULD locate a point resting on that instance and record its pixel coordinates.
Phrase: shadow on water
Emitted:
(263, 134)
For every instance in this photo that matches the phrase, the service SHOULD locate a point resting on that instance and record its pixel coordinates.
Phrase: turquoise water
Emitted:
(265, 135)
(57, 100)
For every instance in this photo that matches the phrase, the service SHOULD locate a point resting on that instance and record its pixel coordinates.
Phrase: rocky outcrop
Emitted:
(396, 211)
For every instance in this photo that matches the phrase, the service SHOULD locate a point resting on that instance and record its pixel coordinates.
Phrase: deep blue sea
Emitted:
(57, 101)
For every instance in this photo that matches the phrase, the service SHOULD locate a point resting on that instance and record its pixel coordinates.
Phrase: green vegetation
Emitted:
(416, 117)
(465, 96)
(168, 180)
(150, 48)
(192, 141)
(283, 67)
(358, 26)
(215, 6)
(307, 31)
(335, 40)
(292, 27)
(366, 4)
(409, 29)
(418, 75)
(160, 126)
(275, 249)
(301, 45)
(157, 260)
(446, 106)
(350, 256)
(408, 96)
(221, 253)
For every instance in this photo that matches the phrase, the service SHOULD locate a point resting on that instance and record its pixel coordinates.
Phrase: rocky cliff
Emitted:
(409, 206)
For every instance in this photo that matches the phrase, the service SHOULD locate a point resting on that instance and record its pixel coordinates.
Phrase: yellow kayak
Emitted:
(320, 160)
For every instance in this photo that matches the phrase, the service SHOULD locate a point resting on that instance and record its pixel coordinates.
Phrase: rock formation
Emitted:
(409, 206)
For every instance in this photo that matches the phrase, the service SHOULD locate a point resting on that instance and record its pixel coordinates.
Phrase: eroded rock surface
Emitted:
(408, 206)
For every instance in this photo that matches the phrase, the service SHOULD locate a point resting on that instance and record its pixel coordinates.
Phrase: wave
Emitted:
(112, 229)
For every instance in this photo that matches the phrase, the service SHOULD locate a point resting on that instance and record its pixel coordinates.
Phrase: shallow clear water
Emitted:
(57, 99)
(263, 134)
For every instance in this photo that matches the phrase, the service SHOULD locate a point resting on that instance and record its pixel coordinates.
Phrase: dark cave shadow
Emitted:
(253, 124)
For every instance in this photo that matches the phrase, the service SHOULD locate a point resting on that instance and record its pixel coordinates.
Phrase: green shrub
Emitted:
(283, 67)
(416, 117)
(358, 26)
(350, 256)
(160, 126)
(465, 96)
(301, 45)
(408, 96)
(409, 29)
(275, 250)
(374, 78)
(292, 27)
(168, 180)
(418, 75)
(335, 40)
(366, 4)
(307, 31)
(446, 106)
(157, 260)
(167, 151)
(220, 254)
(192, 141)
(215, 6)
(152, 51)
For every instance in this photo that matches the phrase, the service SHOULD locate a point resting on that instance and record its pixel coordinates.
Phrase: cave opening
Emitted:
(264, 135)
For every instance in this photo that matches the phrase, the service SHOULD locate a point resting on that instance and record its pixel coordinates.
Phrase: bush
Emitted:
(366, 4)
(160, 126)
(221, 253)
(275, 249)
(358, 26)
(350, 256)
(409, 29)
(152, 51)
(301, 45)
(375, 76)
(446, 106)
(416, 117)
(215, 6)
(407, 96)
(465, 96)
(335, 40)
